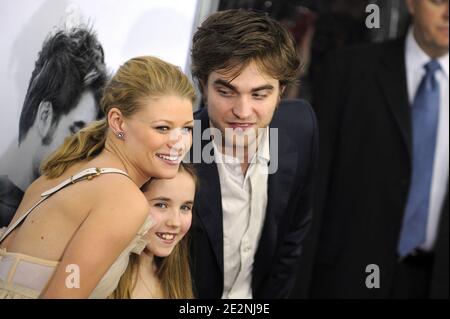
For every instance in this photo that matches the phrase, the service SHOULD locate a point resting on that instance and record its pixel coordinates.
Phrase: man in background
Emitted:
(62, 97)
(383, 114)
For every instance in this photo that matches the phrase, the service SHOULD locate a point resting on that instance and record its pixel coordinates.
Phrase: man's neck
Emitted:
(244, 167)
(243, 155)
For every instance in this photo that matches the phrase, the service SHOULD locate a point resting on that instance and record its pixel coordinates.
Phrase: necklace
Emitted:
(152, 294)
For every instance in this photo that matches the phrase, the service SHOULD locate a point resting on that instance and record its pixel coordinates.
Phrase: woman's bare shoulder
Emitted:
(117, 190)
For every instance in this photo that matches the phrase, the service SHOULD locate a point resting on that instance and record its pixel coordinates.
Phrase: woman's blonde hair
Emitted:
(138, 79)
(173, 271)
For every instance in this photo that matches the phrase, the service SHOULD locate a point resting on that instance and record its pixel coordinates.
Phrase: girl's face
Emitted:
(159, 135)
(171, 202)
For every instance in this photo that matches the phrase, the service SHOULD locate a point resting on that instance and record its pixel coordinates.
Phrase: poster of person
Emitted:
(56, 57)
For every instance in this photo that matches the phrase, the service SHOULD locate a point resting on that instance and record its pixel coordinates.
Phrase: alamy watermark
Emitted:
(233, 144)
(373, 19)
(73, 279)
(373, 279)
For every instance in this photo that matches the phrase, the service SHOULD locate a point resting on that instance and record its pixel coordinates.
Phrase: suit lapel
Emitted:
(209, 207)
(439, 280)
(392, 78)
(279, 184)
(282, 179)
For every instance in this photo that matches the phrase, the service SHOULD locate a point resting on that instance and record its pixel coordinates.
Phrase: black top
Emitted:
(10, 198)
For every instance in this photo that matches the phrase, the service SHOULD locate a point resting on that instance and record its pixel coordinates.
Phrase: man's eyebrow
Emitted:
(76, 126)
(263, 87)
(225, 83)
(232, 87)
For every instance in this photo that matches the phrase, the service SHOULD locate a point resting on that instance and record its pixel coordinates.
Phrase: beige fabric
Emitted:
(23, 276)
(14, 268)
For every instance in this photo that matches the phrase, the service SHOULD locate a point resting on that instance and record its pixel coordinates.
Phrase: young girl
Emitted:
(162, 270)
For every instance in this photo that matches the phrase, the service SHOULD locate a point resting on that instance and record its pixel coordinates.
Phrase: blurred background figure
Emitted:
(62, 97)
(382, 205)
(321, 26)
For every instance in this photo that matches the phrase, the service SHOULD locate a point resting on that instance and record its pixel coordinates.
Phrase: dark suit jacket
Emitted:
(10, 198)
(365, 168)
(288, 211)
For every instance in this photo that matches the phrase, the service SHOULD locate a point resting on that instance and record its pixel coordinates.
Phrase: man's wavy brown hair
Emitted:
(229, 40)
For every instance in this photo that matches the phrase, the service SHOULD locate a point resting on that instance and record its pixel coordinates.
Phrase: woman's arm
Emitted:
(110, 226)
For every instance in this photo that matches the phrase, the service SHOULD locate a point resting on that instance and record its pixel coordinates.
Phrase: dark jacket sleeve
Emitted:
(329, 96)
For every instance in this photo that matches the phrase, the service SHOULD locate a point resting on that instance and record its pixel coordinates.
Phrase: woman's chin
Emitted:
(166, 173)
(163, 252)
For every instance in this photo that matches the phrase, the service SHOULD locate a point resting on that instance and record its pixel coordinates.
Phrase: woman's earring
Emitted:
(120, 135)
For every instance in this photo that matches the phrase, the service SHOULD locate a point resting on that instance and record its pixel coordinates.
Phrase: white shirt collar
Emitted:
(263, 152)
(416, 58)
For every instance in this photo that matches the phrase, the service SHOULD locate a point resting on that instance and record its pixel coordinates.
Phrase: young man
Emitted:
(62, 97)
(383, 114)
(253, 208)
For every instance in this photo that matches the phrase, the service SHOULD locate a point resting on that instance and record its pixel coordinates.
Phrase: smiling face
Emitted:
(241, 104)
(159, 135)
(171, 202)
(430, 25)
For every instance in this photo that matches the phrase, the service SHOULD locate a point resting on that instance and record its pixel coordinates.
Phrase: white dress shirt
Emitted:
(415, 59)
(244, 202)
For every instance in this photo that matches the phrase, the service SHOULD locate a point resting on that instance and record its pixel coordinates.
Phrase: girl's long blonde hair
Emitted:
(173, 271)
(139, 78)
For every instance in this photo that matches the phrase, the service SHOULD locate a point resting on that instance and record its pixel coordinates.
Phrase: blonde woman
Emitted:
(162, 270)
(77, 224)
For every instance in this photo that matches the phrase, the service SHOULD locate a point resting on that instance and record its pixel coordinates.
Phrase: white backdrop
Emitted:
(125, 29)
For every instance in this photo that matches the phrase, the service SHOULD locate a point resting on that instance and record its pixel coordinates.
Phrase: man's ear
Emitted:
(44, 118)
(202, 85)
(411, 6)
(282, 88)
(115, 120)
(203, 90)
